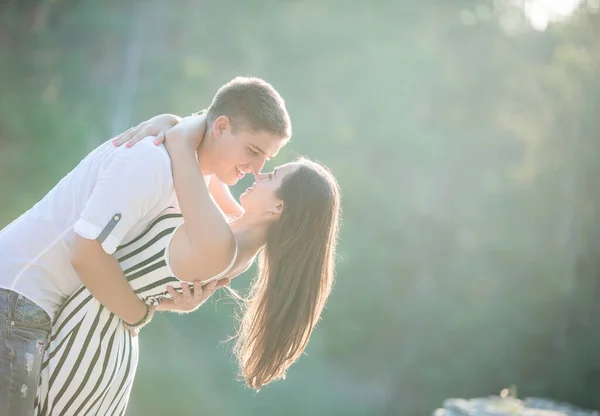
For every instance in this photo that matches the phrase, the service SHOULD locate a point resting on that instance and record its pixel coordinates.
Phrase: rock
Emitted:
(565, 408)
(510, 406)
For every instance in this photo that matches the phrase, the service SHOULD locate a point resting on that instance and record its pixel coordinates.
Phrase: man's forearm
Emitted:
(103, 277)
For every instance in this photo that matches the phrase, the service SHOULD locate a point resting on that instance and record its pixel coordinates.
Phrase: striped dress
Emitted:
(91, 359)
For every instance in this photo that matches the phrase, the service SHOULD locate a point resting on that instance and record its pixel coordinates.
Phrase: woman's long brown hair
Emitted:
(295, 276)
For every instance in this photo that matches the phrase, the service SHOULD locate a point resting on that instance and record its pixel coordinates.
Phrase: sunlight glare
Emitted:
(541, 12)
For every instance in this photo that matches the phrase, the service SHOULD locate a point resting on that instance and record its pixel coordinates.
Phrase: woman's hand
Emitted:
(156, 126)
(186, 135)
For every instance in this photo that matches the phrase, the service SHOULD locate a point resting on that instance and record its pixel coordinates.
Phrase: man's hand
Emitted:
(189, 300)
(182, 302)
(156, 126)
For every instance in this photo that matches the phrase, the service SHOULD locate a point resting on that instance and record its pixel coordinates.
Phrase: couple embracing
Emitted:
(152, 226)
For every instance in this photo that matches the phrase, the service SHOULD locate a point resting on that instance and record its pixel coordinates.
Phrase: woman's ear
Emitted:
(278, 208)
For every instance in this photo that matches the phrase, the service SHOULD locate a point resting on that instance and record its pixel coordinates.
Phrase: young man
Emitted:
(107, 200)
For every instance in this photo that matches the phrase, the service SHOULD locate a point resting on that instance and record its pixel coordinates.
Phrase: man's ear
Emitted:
(220, 125)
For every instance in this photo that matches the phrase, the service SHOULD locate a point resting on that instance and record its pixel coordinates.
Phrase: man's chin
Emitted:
(229, 180)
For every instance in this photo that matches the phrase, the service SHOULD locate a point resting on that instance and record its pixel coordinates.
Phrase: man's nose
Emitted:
(257, 166)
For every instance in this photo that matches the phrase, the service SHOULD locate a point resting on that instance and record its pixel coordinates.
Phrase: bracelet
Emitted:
(141, 321)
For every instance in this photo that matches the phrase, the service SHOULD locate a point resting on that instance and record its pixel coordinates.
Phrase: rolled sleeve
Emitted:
(92, 232)
(128, 188)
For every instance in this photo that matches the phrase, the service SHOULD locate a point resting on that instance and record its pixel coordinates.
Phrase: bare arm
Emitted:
(156, 126)
(126, 189)
(222, 196)
(208, 242)
(102, 275)
(190, 299)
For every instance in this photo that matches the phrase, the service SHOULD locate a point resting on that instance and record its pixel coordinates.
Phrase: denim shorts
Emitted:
(24, 331)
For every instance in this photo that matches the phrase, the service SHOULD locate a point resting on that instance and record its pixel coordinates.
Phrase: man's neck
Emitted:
(204, 158)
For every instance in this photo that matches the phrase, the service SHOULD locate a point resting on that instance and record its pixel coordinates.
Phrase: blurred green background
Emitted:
(465, 137)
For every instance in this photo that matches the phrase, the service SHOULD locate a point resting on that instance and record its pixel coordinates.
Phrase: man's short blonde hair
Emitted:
(253, 104)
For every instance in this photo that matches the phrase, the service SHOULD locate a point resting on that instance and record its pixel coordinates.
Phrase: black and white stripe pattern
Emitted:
(91, 359)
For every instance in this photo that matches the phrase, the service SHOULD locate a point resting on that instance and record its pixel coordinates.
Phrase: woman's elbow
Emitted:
(221, 251)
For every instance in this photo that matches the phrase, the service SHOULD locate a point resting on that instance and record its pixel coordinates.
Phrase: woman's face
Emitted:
(261, 197)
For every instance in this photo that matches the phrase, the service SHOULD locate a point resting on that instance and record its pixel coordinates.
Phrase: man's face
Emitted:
(243, 152)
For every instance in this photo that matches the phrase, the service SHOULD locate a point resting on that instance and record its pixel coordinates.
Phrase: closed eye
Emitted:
(252, 151)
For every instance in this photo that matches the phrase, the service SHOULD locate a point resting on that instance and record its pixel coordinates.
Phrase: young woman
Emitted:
(291, 218)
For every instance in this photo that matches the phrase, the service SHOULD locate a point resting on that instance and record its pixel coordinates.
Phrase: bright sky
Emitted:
(542, 12)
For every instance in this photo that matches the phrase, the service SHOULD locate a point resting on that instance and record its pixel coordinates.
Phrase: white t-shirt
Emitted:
(112, 195)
